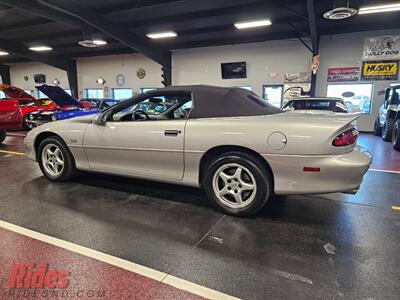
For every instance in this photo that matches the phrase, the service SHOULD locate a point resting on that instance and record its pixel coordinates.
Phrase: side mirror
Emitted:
(101, 119)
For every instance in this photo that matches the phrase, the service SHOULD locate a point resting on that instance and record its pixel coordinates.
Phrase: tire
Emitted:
(222, 175)
(3, 135)
(377, 128)
(25, 124)
(387, 130)
(396, 136)
(50, 163)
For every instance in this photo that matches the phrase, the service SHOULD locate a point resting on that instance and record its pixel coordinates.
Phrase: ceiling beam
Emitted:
(57, 61)
(312, 21)
(120, 33)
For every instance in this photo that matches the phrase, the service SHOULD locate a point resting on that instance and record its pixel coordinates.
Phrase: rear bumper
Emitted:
(338, 173)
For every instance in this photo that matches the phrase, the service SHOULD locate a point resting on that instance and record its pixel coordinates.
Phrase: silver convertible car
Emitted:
(229, 141)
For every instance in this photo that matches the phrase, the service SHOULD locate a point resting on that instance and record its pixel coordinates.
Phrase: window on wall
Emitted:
(2, 95)
(27, 91)
(39, 94)
(94, 93)
(358, 96)
(273, 94)
(121, 93)
(68, 91)
(144, 90)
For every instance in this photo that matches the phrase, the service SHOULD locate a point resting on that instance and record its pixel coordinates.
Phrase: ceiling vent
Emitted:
(340, 13)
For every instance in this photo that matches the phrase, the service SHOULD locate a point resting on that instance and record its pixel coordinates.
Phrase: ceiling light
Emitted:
(161, 35)
(251, 24)
(340, 13)
(40, 48)
(379, 8)
(99, 42)
(3, 53)
(92, 43)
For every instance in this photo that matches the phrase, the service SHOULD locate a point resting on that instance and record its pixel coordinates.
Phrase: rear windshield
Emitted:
(268, 108)
(322, 104)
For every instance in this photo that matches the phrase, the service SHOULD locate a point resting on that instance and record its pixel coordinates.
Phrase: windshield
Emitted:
(317, 104)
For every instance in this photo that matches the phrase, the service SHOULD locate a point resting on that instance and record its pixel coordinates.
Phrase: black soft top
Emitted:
(213, 101)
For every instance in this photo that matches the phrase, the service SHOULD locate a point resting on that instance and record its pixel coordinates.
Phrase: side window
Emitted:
(156, 107)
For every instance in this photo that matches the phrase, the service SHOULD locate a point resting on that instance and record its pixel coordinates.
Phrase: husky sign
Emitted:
(382, 47)
(380, 70)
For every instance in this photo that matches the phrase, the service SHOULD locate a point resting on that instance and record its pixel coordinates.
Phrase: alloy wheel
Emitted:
(53, 160)
(234, 185)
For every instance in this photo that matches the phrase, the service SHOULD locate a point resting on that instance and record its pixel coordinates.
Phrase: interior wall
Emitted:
(345, 50)
(108, 67)
(203, 65)
(19, 70)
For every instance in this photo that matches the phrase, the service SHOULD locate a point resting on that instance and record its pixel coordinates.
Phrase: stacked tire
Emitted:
(396, 135)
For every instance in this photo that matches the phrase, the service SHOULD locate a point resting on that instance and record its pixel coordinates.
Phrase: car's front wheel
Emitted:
(396, 136)
(3, 135)
(238, 183)
(55, 159)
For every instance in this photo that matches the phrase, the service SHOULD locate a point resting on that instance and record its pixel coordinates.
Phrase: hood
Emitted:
(15, 93)
(59, 96)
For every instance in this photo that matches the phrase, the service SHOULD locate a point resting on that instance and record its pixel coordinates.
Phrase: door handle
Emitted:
(172, 132)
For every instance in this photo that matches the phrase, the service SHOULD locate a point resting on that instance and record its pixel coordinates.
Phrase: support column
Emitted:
(5, 73)
(72, 75)
(312, 22)
(167, 70)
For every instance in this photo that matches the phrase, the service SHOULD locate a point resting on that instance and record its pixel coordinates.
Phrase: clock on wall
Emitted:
(120, 79)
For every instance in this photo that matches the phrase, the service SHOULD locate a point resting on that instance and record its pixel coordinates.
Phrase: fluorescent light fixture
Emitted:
(100, 42)
(379, 8)
(3, 53)
(40, 48)
(251, 24)
(161, 35)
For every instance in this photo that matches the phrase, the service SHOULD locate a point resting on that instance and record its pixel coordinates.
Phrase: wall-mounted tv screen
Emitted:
(39, 78)
(233, 70)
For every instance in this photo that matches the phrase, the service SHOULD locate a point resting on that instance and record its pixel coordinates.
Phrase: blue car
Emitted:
(68, 107)
(102, 103)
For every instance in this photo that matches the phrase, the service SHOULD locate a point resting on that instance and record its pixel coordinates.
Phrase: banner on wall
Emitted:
(343, 74)
(297, 77)
(382, 47)
(296, 90)
(380, 70)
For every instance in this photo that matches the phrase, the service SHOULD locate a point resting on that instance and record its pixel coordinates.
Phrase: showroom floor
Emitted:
(321, 246)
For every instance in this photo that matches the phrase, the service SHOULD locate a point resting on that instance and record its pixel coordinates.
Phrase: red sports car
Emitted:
(25, 101)
(10, 116)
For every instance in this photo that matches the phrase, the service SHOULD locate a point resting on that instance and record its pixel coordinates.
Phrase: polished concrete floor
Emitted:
(300, 247)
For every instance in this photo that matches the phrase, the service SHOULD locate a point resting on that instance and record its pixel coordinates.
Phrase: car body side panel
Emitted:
(10, 114)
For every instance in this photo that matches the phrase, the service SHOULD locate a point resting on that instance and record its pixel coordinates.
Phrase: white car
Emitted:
(316, 105)
(229, 141)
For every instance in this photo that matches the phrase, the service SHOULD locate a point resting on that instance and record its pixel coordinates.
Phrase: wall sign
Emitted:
(380, 70)
(382, 47)
(297, 77)
(140, 73)
(343, 74)
(120, 79)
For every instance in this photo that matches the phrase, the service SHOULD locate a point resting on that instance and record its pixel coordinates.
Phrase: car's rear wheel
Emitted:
(396, 136)
(238, 183)
(55, 159)
(377, 128)
(3, 135)
(387, 130)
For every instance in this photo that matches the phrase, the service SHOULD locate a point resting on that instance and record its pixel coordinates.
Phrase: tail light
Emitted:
(346, 138)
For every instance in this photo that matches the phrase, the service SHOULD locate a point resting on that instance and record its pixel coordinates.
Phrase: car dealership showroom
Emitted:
(199, 149)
